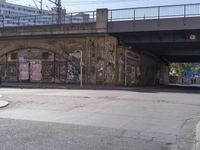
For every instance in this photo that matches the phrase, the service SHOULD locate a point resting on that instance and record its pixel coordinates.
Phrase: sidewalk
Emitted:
(32, 85)
(62, 86)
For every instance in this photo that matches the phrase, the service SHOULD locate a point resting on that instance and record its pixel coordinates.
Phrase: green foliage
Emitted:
(179, 68)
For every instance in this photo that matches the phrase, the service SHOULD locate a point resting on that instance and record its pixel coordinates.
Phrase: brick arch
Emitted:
(60, 46)
(25, 48)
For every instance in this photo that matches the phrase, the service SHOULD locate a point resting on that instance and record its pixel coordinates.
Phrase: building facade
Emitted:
(18, 15)
(14, 10)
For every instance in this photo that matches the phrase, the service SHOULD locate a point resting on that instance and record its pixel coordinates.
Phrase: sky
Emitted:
(90, 5)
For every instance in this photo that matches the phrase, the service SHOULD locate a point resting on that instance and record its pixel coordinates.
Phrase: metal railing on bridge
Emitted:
(140, 13)
(156, 12)
(48, 19)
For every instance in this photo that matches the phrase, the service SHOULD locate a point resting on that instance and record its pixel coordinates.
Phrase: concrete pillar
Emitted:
(101, 20)
(166, 75)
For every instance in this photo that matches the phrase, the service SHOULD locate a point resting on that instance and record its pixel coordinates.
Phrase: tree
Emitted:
(181, 68)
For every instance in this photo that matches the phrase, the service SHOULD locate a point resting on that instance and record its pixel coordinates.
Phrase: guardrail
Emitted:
(48, 19)
(156, 12)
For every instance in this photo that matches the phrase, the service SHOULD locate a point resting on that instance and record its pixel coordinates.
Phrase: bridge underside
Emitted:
(171, 46)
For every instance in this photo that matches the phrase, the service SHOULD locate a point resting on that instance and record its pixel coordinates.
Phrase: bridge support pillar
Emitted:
(102, 20)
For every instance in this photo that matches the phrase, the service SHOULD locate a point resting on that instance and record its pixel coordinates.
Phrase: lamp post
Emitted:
(81, 71)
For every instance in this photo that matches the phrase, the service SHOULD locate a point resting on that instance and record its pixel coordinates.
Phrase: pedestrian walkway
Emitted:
(60, 86)
(32, 85)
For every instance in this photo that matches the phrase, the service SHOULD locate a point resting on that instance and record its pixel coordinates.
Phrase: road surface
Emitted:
(67, 119)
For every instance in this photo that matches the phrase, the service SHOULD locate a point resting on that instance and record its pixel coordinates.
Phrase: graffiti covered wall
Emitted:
(101, 60)
(91, 51)
(121, 65)
(110, 50)
(102, 64)
(132, 67)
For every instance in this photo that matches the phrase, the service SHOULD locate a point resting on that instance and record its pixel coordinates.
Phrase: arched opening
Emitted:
(39, 65)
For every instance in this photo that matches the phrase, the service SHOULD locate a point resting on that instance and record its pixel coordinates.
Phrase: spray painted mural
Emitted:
(91, 64)
(132, 69)
(101, 61)
(121, 66)
(103, 64)
(100, 69)
(73, 69)
(60, 71)
(110, 49)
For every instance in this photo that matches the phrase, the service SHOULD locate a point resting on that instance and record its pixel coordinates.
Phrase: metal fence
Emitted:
(157, 12)
(49, 19)
(140, 13)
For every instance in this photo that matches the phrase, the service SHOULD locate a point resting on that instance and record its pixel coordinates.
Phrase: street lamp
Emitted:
(81, 65)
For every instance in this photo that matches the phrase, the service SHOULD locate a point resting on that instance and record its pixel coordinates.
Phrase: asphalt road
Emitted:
(134, 119)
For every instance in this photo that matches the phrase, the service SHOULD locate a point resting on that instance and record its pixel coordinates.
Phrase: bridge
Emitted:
(170, 32)
(157, 35)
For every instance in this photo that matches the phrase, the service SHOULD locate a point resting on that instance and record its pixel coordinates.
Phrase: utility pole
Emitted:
(58, 10)
(41, 4)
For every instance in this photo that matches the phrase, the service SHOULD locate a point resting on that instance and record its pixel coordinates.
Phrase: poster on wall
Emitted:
(23, 71)
(35, 70)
